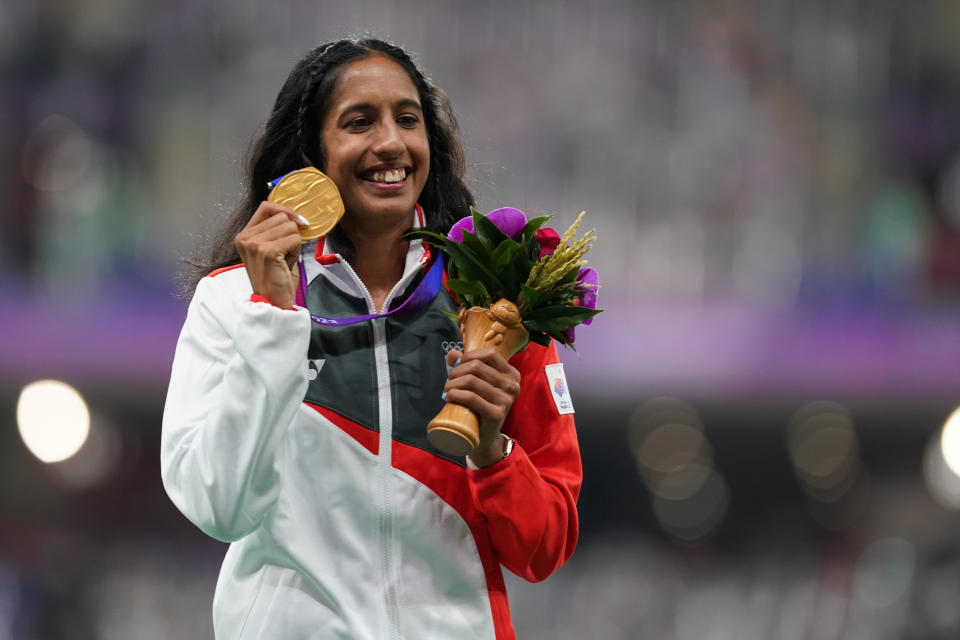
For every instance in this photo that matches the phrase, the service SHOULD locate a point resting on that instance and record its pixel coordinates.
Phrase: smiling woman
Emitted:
(291, 139)
(306, 374)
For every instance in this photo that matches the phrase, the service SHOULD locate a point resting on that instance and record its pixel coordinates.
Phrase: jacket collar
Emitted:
(320, 260)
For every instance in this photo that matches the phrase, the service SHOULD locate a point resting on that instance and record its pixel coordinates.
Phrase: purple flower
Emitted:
(570, 335)
(461, 225)
(587, 284)
(509, 220)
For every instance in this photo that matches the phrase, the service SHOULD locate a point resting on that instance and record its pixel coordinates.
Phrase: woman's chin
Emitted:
(384, 213)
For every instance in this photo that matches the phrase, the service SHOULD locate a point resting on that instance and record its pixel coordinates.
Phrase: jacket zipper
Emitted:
(384, 465)
(385, 455)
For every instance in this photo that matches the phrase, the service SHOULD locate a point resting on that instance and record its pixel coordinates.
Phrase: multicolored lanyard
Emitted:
(423, 294)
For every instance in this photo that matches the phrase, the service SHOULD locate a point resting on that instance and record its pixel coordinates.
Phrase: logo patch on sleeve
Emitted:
(558, 388)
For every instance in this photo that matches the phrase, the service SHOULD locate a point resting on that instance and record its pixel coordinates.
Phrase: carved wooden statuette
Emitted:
(455, 430)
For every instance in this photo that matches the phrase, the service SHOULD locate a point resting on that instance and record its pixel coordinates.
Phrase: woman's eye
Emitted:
(408, 120)
(359, 123)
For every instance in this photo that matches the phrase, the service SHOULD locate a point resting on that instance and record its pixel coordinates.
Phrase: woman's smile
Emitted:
(387, 176)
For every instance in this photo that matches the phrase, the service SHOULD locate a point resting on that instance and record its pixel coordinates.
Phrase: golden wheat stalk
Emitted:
(545, 275)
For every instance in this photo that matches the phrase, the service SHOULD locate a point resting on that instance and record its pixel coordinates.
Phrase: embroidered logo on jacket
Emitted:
(313, 368)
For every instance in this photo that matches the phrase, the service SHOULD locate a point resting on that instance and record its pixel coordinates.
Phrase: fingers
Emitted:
(483, 382)
(269, 246)
(491, 409)
(486, 364)
(268, 210)
(270, 223)
(453, 356)
(272, 231)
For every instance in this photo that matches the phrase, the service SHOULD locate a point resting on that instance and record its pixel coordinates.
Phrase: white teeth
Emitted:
(390, 176)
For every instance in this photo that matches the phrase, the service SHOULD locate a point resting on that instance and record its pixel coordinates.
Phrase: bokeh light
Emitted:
(675, 460)
(53, 419)
(950, 441)
(824, 451)
(699, 512)
(942, 483)
(825, 454)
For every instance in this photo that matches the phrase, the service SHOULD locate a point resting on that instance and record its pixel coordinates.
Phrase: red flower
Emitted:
(548, 239)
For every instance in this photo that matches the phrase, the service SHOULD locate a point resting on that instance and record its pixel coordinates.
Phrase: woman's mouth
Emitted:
(387, 176)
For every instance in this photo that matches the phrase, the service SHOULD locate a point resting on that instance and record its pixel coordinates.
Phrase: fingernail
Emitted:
(303, 221)
(443, 396)
(456, 362)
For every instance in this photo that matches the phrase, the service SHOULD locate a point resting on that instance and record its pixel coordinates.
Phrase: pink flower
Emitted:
(549, 240)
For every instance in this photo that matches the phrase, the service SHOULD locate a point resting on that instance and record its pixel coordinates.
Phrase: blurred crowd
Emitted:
(771, 153)
(779, 158)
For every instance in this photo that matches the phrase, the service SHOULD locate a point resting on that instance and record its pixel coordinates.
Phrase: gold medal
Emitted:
(312, 195)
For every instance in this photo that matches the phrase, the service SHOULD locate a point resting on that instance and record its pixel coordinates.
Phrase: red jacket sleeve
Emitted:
(530, 498)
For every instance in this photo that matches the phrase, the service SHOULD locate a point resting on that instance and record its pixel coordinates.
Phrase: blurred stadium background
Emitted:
(763, 408)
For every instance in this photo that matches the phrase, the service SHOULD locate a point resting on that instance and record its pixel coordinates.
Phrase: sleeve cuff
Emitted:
(256, 297)
(507, 450)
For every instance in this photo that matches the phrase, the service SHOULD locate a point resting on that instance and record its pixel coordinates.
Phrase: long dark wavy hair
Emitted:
(291, 139)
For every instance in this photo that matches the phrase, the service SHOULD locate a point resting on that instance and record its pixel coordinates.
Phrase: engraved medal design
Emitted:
(312, 195)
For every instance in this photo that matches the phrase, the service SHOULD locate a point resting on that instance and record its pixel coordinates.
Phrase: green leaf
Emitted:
(566, 316)
(471, 268)
(528, 238)
(538, 337)
(438, 240)
(531, 295)
(555, 327)
(452, 270)
(480, 251)
(451, 315)
(468, 288)
(570, 276)
(532, 249)
(534, 224)
(515, 273)
(489, 233)
(503, 254)
(462, 263)
(559, 294)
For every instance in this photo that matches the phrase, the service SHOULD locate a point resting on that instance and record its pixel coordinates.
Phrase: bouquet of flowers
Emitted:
(517, 282)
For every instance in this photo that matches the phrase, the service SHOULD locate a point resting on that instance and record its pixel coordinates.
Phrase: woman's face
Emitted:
(375, 143)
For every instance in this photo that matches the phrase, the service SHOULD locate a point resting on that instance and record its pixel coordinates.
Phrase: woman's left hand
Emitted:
(487, 384)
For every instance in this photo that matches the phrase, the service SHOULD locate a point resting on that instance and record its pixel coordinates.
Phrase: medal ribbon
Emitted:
(424, 293)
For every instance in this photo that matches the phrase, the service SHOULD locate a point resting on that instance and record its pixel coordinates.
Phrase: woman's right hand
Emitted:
(270, 247)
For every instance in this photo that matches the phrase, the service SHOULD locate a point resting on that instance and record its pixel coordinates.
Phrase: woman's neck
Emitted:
(380, 260)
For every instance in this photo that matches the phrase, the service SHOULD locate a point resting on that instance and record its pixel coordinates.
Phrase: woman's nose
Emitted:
(389, 141)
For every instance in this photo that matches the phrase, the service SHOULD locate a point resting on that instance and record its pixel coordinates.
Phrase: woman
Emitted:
(304, 445)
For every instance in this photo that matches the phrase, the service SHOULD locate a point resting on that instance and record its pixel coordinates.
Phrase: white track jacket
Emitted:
(305, 448)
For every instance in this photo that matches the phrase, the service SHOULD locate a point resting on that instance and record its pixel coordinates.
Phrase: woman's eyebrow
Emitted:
(409, 102)
(366, 106)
